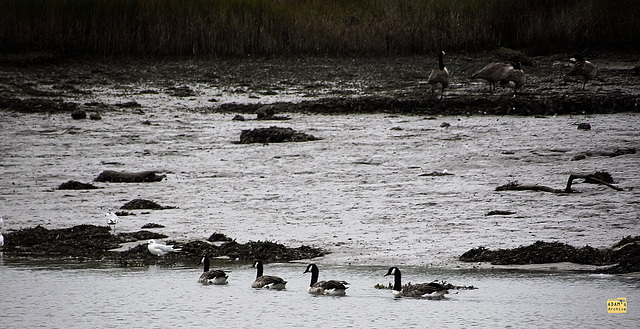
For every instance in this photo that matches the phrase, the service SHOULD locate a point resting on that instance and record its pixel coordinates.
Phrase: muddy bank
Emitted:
(530, 104)
(623, 256)
(96, 242)
(316, 85)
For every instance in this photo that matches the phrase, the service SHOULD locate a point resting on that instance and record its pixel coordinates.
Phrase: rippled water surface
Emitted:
(359, 192)
(58, 295)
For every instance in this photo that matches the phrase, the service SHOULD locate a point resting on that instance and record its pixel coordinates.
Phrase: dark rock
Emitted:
(218, 237)
(499, 212)
(95, 116)
(445, 125)
(128, 177)
(182, 91)
(584, 126)
(238, 117)
(125, 213)
(128, 104)
(75, 185)
(143, 204)
(274, 135)
(265, 112)
(152, 225)
(78, 115)
(436, 174)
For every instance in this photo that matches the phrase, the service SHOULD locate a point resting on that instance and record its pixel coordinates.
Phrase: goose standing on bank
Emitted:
(160, 249)
(514, 77)
(266, 281)
(582, 70)
(420, 290)
(492, 73)
(331, 287)
(439, 78)
(217, 277)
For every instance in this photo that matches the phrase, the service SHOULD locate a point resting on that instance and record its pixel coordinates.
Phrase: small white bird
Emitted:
(1, 240)
(112, 219)
(160, 249)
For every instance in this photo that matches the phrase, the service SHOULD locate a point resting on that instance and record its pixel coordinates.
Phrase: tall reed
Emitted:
(313, 27)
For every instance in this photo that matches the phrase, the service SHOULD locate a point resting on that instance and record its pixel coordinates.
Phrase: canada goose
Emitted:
(582, 70)
(492, 73)
(514, 77)
(211, 276)
(331, 287)
(266, 281)
(420, 290)
(439, 78)
(160, 249)
(112, 219)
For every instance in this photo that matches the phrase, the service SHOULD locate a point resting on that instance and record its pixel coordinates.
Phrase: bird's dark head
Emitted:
(310, 268)
(393, 271)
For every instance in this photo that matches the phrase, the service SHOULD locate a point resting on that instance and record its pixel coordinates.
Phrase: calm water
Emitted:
(39, 294)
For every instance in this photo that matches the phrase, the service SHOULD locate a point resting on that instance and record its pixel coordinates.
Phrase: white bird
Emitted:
(160, 249)
(217, 277)
(421, 290)
(331, 287)
(1, 240)
(112, 219)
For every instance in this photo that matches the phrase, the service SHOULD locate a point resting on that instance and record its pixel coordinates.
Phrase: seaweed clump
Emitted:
(623, 256)
(264, 250)
(76, 241)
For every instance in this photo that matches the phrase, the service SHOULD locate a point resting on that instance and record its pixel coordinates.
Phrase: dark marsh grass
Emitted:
(209, 28)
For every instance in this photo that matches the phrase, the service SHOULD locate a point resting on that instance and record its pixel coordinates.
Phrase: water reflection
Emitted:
(73, 295)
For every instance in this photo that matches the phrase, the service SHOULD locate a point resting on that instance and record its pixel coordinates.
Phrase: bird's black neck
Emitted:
(259, 267)
(441, 61)
(206, 264)
(314, 276)
(397, 284)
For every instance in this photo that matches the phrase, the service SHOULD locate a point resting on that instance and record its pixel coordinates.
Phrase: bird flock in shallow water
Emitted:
(432, 290)
(508, 75)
